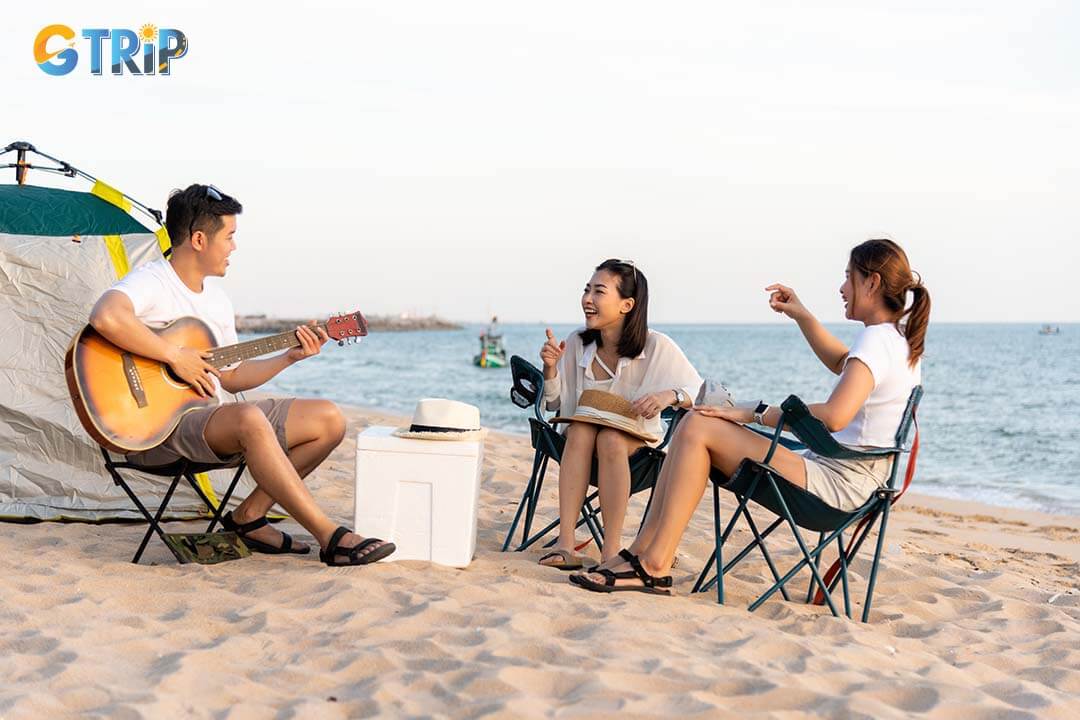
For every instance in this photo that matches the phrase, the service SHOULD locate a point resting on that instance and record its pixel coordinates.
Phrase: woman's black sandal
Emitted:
(650, 585)
(354, 557)
(242, 529)
(595, 568)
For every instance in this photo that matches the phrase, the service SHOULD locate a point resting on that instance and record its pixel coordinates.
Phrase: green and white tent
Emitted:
(60, 250)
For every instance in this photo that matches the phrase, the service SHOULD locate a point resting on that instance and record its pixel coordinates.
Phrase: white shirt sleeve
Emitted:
(671, 369)
(552, 389)
(143, 288)
(870, 347)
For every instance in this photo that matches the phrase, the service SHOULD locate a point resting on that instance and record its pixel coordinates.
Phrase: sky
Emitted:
(470, 158)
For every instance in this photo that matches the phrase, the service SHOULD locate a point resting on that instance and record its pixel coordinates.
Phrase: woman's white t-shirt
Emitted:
(885, 352)
(159, 296)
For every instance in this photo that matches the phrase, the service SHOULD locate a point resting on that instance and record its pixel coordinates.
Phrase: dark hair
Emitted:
(889, 261)
(193, 208)
(632, 284)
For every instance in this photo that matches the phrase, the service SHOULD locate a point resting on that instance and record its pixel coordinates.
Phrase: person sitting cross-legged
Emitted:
(282, 440)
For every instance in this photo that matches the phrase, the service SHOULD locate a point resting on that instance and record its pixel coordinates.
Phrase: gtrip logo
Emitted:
(148, 51)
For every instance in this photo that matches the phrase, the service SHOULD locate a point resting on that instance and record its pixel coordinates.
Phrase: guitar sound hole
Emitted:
(174, 377)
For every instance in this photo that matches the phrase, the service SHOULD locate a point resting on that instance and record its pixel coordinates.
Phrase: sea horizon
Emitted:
(984, 421)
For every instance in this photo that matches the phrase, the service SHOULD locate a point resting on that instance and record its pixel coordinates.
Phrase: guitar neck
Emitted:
(229, 354)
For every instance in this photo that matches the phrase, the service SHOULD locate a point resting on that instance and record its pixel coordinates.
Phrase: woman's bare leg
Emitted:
(574, 471)
(613, 451)
(700, 443)
(656, 506)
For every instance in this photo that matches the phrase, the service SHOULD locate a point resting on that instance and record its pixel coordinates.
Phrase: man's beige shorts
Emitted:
(188, 439)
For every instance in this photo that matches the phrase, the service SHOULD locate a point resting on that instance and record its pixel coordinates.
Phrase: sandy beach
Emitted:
(976, 615)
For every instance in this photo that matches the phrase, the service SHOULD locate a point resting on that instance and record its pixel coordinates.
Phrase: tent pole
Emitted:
(20, 166)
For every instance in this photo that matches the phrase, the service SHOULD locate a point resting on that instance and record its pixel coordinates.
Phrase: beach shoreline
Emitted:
(976, 615)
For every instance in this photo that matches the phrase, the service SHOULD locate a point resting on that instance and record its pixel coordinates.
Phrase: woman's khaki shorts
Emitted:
(845, 484)
(188, 440)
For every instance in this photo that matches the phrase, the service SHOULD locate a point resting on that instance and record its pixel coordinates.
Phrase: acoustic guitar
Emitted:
(129, 403)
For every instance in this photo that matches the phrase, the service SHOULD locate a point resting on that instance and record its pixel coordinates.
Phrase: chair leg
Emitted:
(760, 539)
(817, 561)
(843, 573)
(538, 486)
(721, 539)
(526, 501)
(716, 543)
(877, 559)
(808, 558)
(718, 554)
(596, 529)
(548, 528)
(154, 520)
(215, 513)
(526, 498)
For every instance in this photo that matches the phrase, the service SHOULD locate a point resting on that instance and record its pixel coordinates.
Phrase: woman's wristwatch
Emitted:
(759, 412)
(680, 397)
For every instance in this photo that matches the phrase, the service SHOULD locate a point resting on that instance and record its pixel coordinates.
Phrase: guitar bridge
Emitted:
(131, 374)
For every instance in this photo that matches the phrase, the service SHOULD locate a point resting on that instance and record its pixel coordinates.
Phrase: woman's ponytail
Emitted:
(890, 262)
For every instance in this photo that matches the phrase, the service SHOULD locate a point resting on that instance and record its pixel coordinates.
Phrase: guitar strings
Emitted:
(253, 348)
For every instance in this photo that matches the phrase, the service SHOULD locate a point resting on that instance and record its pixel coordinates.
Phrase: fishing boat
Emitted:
(1050, 330)
(492, 353)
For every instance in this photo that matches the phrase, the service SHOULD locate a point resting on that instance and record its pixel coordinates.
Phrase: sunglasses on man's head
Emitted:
(214, 194)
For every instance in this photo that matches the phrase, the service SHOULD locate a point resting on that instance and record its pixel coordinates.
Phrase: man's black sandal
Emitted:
(650, 585)
(286, 547)
(354, 557)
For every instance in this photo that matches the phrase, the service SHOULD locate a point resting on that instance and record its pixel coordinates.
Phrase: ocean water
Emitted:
(1000, 418)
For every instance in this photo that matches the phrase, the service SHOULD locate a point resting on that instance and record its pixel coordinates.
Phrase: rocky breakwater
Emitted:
(263, 325)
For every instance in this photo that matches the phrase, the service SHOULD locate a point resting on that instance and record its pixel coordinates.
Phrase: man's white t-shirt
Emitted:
(160, 296)
(885, 352)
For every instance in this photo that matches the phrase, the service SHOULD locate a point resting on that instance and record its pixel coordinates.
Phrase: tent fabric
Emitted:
(50, 469)
(32, 210)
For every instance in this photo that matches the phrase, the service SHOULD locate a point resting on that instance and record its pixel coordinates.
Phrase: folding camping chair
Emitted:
(760, 482)
(186, 470)
(645, 463)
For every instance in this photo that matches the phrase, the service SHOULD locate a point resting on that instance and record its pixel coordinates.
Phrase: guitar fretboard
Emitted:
(229, 354)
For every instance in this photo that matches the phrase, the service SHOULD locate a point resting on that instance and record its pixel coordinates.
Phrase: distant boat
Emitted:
(1049, 330)
(492, 353)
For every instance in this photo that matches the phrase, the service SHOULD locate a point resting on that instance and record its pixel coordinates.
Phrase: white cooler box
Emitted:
(420, 494)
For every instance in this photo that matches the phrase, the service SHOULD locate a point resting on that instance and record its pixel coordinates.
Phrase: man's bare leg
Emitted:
(313, 428)
(243, 428)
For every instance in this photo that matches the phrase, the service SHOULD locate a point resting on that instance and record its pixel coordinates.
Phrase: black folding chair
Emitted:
(645, 463)
(181, 469)
(795, 507)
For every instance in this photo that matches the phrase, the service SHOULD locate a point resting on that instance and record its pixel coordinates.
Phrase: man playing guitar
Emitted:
(282, 440)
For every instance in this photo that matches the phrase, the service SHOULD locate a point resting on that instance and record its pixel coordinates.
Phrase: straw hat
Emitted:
(441, 419)
(597, 407)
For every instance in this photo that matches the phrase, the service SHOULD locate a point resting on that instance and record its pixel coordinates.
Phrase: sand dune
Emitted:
(977, 615)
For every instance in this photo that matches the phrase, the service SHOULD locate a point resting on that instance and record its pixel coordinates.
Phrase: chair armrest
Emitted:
(674, 418)
(817, 438)
(789, 443)
(528, 387)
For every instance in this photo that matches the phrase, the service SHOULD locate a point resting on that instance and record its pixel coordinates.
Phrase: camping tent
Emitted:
(59, 250)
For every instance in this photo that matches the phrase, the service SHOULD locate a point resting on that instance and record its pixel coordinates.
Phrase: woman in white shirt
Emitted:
(877, 375)
(617, 353)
